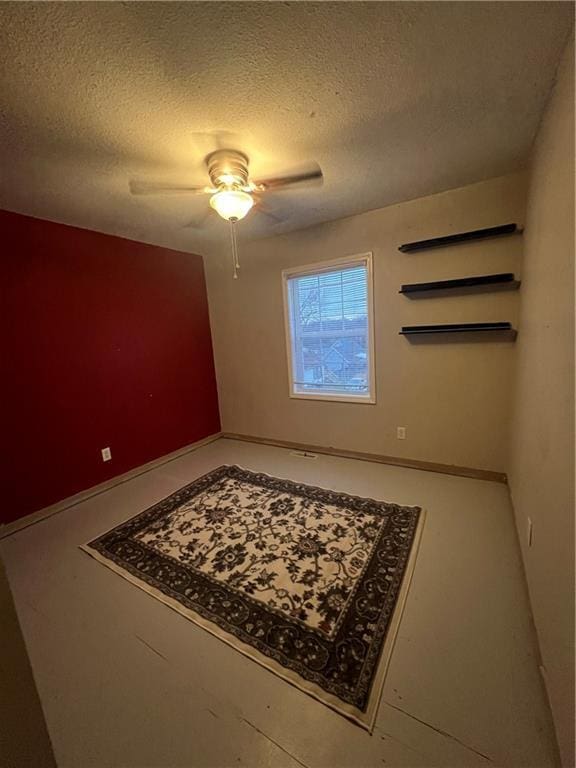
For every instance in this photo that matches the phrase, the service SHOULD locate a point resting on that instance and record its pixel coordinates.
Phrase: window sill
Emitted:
(358, 399)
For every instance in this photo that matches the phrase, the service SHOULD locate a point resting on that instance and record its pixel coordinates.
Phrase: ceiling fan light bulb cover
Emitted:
(232, 204)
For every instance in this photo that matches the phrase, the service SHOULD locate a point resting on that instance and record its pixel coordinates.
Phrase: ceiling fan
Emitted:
(233, 192)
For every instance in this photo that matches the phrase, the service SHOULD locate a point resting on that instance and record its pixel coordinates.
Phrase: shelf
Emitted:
(480, 284)
(461, 237)
(484, 330)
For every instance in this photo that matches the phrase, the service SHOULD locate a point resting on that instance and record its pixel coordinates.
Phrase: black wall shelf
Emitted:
(461, 237)
(504, 281)
(486, 330)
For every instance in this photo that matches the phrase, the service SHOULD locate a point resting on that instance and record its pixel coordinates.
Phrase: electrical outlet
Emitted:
(401, 433)
(106, 454)
(529, 532)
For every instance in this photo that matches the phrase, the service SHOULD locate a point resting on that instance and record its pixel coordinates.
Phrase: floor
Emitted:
(24, 740)
(125, 681)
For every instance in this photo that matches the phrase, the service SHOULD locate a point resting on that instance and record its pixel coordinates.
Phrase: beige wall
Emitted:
(541, 469)
(453, 399)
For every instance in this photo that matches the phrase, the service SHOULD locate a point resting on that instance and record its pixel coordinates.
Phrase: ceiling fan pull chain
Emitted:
(234, 242)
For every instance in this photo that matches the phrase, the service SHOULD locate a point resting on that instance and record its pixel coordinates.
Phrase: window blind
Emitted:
(328, 316)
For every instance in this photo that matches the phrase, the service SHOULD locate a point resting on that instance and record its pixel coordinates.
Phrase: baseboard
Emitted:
(426, 466)
(95, 490)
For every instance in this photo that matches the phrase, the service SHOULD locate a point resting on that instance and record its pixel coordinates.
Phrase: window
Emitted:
(330, 330)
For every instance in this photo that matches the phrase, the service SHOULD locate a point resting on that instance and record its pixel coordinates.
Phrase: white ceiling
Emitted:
(394, 100)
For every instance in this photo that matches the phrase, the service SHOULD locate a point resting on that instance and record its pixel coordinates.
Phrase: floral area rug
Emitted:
(308, 582)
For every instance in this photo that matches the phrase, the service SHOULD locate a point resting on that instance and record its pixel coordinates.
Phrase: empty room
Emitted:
(288, 424)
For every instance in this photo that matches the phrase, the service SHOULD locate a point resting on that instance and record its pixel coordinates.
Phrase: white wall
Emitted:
(454, 399)
(541, 464)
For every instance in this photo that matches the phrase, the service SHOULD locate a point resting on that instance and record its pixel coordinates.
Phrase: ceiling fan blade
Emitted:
(198, 222)
(264, 209)
(153, 188)
(312, 175)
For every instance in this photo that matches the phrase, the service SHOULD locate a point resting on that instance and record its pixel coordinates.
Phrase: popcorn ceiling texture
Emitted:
(394, 100)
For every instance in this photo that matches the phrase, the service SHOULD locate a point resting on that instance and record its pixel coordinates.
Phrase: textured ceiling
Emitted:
(394, 100)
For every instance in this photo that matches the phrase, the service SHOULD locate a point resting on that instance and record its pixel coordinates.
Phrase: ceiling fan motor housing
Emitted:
(228, 168)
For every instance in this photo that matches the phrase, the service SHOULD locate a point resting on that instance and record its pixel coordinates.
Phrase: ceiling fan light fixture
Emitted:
(232, 190)
(232, 203)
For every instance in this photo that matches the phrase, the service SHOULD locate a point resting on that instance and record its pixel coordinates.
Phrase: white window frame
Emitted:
(315, 269)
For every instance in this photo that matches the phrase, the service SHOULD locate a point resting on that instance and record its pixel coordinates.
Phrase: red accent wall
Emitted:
(107, 343)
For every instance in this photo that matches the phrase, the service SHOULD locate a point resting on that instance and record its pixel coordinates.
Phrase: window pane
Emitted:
(329, 332)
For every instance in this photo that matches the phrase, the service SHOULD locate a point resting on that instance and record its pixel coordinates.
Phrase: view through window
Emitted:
(330, 330)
